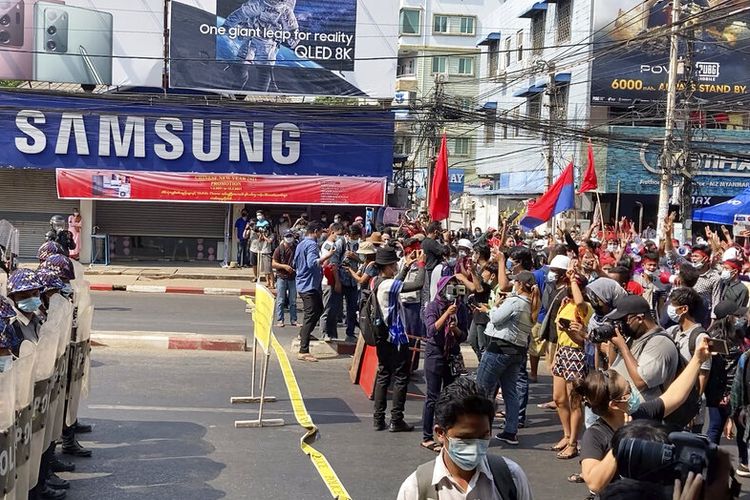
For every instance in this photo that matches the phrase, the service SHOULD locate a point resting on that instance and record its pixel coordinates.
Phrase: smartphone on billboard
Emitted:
(72, 44)
(17, 38)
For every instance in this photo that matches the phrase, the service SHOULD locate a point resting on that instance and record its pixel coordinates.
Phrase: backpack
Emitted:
(501, 476)
(683, 415)
(371, 322)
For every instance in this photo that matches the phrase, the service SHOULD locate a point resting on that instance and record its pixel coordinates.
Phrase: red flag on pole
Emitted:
(589, 182)
(440, 197)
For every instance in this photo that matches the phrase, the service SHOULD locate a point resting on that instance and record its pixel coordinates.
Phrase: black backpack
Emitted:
(371, 322)
(683, 415)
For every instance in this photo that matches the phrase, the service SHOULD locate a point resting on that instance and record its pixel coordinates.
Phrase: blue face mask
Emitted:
(508, 265)
(67, 290)
(467, 454)
(29, 305)
(634, 401)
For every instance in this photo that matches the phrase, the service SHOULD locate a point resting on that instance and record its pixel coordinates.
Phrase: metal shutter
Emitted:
(28, 198)
(133, 218)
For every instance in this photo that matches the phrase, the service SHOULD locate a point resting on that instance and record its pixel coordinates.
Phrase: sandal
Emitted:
(575, 478)
(431, 445)
(547, 406)
(572, 454)
(307, 357)
(561, 445)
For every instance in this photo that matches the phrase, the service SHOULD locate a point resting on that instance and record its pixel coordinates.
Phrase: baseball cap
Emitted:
(627, 305)
(727, 307)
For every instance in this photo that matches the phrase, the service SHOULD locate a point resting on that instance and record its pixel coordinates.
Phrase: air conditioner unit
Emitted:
(441, 77)
(501, 75)
(404, 99)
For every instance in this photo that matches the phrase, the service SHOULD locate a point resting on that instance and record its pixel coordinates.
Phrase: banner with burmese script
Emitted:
(88, 184)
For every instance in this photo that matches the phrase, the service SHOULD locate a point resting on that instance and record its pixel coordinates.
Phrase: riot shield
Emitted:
(46, 355)
(7, 433)
(79, 354)
(60, 391)
(24, 368)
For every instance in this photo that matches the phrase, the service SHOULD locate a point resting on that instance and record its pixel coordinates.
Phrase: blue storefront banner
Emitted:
(456, 180)
(166, 135)
(721, 167)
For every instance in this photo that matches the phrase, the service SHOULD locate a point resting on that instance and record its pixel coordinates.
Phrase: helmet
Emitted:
(59, 265)
(6, 309)
(23, 280)
(58, 223)
(47, 249)
(9, 339)
(49, 280)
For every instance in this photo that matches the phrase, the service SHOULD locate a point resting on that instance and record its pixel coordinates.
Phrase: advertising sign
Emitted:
(718, 173)
(44, 131)
(266, 190)
(95, 42)
(640, 70)
(456, 180)
(309, 47)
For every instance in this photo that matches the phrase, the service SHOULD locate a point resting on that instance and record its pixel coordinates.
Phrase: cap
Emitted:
(366, 248)
(23, 280)
(289, 234)
(49, 248)
(359, 218)
(627, 305)
(560, 262)
(386, 255)
(727, 307)
(61, 266)
(463, 242)
(525, 277)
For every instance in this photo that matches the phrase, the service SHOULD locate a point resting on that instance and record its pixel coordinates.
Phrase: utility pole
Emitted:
(688, 171)
(552, 123)
(433, 126)
(667, 158)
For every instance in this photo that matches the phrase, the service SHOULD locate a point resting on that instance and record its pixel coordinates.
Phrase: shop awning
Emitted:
(90, 184)
(724, 213)
(529, 91)
(494, 36)
(534, 9)
(560, 79)
(490, 105)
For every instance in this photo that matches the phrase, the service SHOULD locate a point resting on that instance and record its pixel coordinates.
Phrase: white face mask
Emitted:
(288, 241)
(726, 275)
(551, 277)
(673, 314)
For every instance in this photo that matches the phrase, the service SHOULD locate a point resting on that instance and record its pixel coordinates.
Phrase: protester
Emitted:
(240, 226)
(286, 288)
(731, 288)
(464, 469)
(480, 319)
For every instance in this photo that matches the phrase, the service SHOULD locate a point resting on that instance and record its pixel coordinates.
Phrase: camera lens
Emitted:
(52, 30)
(645, 460)
(51, 45)
(4, 37)
(5, 20)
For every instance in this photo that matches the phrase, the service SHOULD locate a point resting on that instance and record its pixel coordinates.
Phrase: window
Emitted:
(506, 53)
(453, 25)
(465, 66)
(410, 21)
(406, 66)
(461, 146)
(519, 45)
(493, 57)
(490, 120)
(558, 106)
(564, 19)
(439, 64)
(538, 23)
(403, 145)
(534, 107)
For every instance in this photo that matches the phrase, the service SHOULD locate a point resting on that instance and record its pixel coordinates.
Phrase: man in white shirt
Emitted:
(463, 470)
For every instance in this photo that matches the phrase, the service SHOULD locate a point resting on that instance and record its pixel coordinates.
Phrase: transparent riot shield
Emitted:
(78, 269)
(44, 367)
(79, 355)
(60, 392)
(7, 433)
(24, 368)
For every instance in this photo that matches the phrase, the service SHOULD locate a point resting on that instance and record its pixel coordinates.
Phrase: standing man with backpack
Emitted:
(464, 469)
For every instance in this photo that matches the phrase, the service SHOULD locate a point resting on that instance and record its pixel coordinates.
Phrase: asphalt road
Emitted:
(164, 424)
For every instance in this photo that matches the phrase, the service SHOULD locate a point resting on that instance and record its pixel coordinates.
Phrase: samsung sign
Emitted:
(88, 132)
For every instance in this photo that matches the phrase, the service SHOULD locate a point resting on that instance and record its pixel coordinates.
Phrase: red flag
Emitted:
(440, 197)
(589, 182)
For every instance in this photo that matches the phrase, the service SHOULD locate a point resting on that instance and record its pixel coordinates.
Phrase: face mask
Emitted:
(336, 220)
(452, 261)
(740, 323)
(462, 254)
(324, 219)
(260, 217)
(698, 265)
(478, 233)
(672, 313)
(29, 305)
(634, 401)
(551, 277)
(726, 275)
(612, 248)
(467, 453)
(508, 265)
(288, 241)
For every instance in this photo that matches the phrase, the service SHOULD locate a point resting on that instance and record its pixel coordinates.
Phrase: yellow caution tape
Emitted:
(326, 472)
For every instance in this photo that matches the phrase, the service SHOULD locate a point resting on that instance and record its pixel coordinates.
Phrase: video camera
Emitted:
(662, 463)
(602, 333)
(455, 290)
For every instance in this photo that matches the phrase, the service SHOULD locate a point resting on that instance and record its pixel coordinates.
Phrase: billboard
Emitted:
(95, 42)
(229, 188)
(719, 172)
(306, 47)
(639, 71)
(161, 135)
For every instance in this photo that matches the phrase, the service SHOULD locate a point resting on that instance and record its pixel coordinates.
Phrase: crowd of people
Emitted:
(45, 324)
(642, 335)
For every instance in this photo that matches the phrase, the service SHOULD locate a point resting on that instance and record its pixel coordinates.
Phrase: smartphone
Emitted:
(17, 38)
(718, 346)
(72, 44)
(564, 323)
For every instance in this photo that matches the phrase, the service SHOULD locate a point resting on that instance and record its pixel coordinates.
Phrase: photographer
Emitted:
(447, 322)
(612, 397)
(640, 350)
(509, 331)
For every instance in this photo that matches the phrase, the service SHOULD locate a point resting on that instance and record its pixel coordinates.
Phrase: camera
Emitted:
(663, 463)
(456, 290)
(602, 333)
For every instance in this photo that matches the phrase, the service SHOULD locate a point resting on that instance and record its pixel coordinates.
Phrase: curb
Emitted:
(105, 287)
(169, 341)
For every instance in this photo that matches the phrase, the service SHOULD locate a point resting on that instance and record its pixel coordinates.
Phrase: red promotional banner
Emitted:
(228, 188)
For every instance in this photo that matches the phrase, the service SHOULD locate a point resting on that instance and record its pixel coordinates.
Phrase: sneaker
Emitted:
(742, 471)
(280, 324)
(507, 438)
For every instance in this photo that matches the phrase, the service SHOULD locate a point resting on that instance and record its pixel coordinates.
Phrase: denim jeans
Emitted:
(242, 256)
(286, 293)
(523, 390)
(501, 370)
(334, 308)
(477, 339)
(437, 374)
